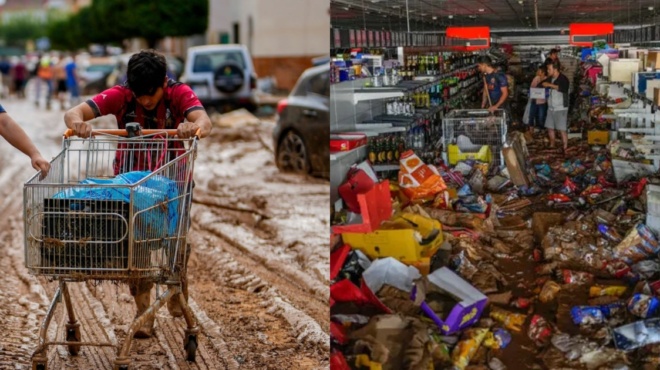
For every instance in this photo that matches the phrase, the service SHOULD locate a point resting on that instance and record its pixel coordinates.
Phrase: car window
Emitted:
(319, 84)
(209, 62)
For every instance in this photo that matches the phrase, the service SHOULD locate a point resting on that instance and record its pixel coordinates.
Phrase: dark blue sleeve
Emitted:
(502, 80)
(2, 109)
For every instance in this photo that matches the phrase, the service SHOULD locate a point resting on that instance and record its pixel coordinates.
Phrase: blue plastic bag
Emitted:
(157, 216)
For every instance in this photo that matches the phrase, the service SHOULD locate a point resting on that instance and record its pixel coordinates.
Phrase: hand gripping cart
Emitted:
(83, 223)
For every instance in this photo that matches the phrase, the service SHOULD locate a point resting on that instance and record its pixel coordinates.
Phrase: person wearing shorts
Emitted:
(557, 117)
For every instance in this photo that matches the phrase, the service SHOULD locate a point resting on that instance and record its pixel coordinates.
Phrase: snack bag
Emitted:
(418, 181)
(465, 349)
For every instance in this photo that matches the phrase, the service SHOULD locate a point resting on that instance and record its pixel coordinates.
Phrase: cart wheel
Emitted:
(121, 367)
(190, 346)
(38, 365)
(73, 335)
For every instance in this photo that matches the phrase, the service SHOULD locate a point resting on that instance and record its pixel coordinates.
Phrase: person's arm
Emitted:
(76, 119)
(15, 136)
(197, 119)
(505, 95)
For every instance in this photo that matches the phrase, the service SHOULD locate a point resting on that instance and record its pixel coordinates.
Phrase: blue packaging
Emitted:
(503, 337)
(642, 305)
(587, 315)
(638, 334)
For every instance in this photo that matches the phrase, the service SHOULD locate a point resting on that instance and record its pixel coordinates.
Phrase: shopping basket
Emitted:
(112, 208)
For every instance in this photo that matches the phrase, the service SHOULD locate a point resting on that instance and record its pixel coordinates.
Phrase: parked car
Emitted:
(302, 133)
(93, 74)
(222, 76)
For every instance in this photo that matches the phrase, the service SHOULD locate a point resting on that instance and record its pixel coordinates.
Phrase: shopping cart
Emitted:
(82, 223)
(474, 128)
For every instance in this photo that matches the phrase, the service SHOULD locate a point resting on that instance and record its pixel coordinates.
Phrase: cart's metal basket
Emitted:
(479, 127)
(83, 224)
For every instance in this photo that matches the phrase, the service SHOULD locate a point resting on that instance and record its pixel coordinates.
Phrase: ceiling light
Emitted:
(423, 13)
(451, 16)
(481, 9)
(434, 17)
(520, 2)
(650, 8)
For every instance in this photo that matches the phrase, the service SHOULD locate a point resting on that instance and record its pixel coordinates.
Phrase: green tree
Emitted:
(17, 30)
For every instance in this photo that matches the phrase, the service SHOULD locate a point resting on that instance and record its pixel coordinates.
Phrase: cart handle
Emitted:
(119, 132)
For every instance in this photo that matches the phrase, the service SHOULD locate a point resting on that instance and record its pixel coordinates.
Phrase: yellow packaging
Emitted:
(399, 239)
(455, 155)
(595, 137)
(599, 291)
(466, 349)
(510, 320)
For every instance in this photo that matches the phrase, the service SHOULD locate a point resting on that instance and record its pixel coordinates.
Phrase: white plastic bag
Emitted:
(525, 118)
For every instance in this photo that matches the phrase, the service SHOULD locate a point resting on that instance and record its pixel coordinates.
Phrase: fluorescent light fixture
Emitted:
(481, 9)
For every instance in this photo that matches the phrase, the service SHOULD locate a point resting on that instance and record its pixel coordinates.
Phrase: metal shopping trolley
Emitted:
(476, 127)
(112, 208)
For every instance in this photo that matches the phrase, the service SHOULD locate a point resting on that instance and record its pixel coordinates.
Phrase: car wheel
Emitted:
(229, 78)
(292, 154)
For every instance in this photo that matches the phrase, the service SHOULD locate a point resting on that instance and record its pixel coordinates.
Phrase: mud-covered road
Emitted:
(258, 271)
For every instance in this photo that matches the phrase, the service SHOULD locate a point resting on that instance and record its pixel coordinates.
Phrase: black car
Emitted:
(302, 133)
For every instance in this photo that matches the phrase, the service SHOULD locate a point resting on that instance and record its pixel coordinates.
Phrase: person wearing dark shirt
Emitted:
(154, 101)
(557, 117)
(496, 84)
(19, 75)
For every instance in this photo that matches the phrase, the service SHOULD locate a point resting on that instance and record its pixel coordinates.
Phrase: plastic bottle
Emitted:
(609, 233)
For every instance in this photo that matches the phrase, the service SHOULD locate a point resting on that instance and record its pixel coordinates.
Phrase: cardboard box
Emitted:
(455, 155)
(397, 239)
(596, 137)
(656, 95)
(471, 302)
(344, 142)
(653, 60)
(514, 167)
(543, 221)
(375, 207)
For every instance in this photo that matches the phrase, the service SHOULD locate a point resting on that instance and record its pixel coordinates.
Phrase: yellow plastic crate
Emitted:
(396, 239)
(595, 137)
(455, 155)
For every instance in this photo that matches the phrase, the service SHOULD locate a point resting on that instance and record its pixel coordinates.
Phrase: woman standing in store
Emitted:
(538, 108)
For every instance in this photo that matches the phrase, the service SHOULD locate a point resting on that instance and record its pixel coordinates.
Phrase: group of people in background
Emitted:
(57, 74)
(551, 112)
(54, 78)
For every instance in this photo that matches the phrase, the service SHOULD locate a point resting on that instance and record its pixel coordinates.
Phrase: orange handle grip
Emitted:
(118, 132)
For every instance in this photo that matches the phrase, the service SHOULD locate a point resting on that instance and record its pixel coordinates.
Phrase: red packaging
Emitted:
(345, 142)
(338, 333)
(539, 331)
(576, 277)
(338, 362)
(592, 191)
(538, 255)
(559, 198)
(638, 188)
(602, 181)
(569, 186)
(521, 303)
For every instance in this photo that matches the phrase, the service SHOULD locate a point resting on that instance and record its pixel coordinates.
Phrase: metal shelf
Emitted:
(386, 167)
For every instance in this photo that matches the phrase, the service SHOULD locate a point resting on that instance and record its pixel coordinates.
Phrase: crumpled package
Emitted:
(395, 342)
(418, 181)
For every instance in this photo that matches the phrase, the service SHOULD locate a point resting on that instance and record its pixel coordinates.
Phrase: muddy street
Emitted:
(258, 271)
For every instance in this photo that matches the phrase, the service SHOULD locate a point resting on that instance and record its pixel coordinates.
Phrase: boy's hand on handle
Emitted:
(39, 163)
(82, 129)
(187, 130)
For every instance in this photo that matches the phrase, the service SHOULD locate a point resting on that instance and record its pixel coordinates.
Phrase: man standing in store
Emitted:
(497, 87)
(553, 57)
(557, 118)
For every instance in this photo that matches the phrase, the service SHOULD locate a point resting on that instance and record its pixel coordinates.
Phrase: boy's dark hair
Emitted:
(146, 72)
(554, 51)
(544, 69)
(485, 59)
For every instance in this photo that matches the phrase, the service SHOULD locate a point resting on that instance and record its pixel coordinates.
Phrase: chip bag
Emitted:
(418, 181)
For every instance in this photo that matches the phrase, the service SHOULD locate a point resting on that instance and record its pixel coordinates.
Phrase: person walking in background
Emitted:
(44, 77)
(5, 67)
(19, 76)
(59, 78)
(539, 107)
(557, 118)
(72, 83)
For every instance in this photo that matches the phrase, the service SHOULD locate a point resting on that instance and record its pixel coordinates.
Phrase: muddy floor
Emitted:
(258, 270)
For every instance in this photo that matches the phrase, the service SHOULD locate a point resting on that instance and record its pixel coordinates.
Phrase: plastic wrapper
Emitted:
(642, 305)
(496, 364)
(599, 290)
(569, 187)
(510, 320)
(638, 334)
(539, 331)
(586, 315)
(609, 233)
(648, 235)
(549, 291)
(576, 277)
(418, 181)
(466, 349)
(646, 269)
(497, 339)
